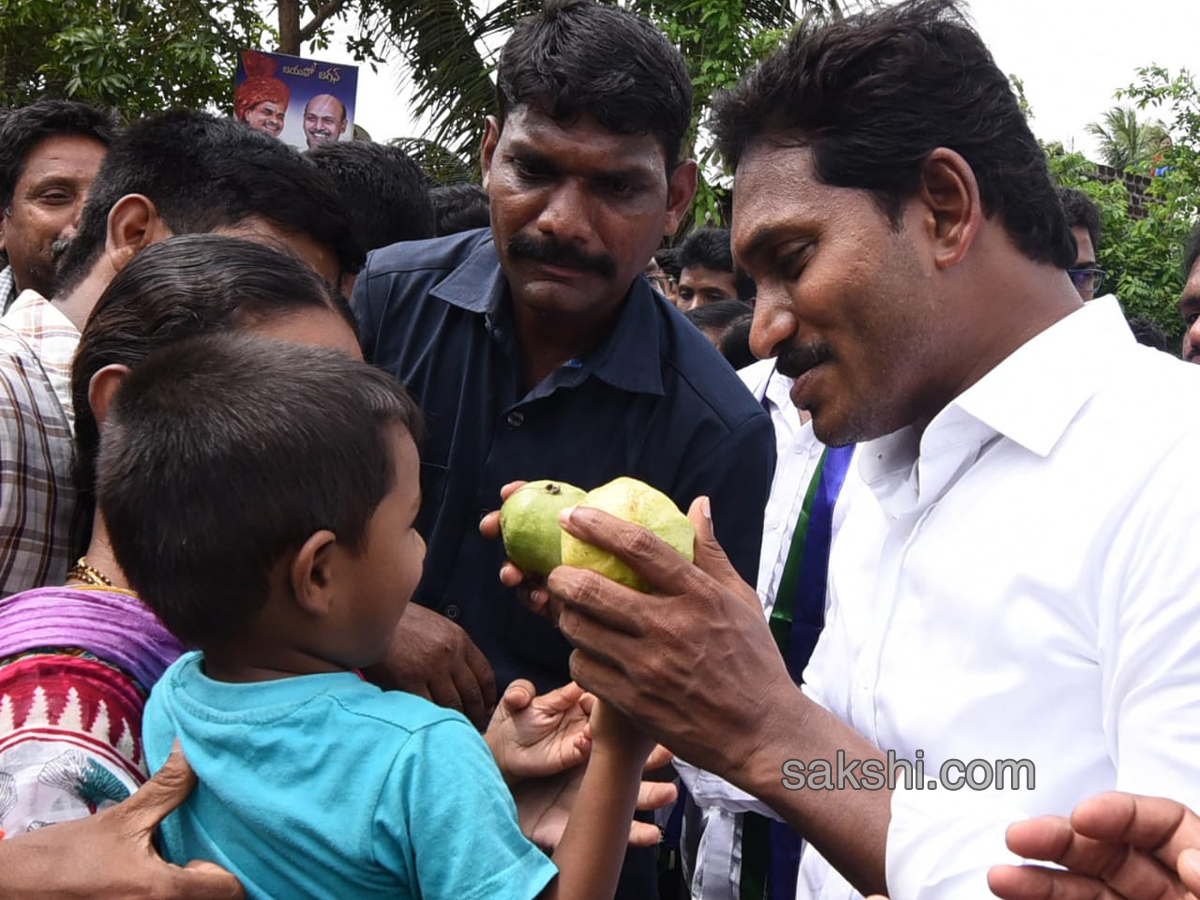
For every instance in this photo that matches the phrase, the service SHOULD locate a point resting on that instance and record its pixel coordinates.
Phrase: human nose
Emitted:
(1191, 342)
(69, 231)
(566, 214)
(773, 325)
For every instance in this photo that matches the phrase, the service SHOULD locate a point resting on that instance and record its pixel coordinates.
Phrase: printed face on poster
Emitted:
(303, 102)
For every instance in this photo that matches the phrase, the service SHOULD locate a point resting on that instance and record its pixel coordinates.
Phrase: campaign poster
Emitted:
(303, 102)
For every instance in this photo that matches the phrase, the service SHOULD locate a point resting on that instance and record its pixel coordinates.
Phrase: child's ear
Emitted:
(101, 389)
(313, 573)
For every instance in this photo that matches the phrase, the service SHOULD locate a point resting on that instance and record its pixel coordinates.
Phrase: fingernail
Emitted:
(706, 508)
(564, 515)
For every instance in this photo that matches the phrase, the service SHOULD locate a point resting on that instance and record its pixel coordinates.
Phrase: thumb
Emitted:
(200, 880)
(518, 695)
(710, 558)
(169, 787)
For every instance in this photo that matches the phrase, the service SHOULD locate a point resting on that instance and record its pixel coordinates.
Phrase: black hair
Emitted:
(202, 173)
(718, 314)
(1081, 212)
(668, 261)
(225, 452)
(874, 94)
(384, 190)
(1191, 252)
(23, 128)
(175, 289)
(579, 57)
(735, 343)
(1146, 332)
(710, 247)
(460, 207)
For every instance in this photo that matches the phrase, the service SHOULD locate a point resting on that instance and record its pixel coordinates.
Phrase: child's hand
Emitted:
(545, 804)
(533, 736)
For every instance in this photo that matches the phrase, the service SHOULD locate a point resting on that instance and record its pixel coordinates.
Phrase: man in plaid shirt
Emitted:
(49, 154)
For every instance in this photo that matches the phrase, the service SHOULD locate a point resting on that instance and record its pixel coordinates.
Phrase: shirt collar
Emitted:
(1035, 393)
(1030, 398)
(627, 359)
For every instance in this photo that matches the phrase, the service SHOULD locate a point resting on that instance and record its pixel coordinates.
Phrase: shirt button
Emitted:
(452, 612)
(515, 418)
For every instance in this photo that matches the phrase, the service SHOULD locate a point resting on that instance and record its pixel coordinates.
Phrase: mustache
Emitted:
(795, 361)
(556, 253)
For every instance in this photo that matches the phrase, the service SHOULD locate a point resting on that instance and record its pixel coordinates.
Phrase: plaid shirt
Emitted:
(8, 289)
(37, 497)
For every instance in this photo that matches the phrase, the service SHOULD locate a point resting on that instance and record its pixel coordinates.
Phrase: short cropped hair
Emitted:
(874, 94)
(23, 128)
(580, 57)
(460, 207)
(710, 247)
(718, 314)
(225, 452)
(175, 289)
(202, 173)
(1147, 333)
(385, 192)
(1081, 212)
(668, 261)
(735, 343)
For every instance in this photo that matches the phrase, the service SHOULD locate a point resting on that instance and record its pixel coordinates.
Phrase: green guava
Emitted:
(637, 502)
(529, 524)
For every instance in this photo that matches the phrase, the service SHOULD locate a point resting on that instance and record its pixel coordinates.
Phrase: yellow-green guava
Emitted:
(637, 502)
(529, 524)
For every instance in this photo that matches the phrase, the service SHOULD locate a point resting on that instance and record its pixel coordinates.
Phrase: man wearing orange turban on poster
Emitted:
(261, 101)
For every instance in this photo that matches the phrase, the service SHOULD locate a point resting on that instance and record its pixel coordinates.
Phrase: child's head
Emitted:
(185, 286)
(255, 487)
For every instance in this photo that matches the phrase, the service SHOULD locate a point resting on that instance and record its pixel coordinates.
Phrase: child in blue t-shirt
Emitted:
(261, 496)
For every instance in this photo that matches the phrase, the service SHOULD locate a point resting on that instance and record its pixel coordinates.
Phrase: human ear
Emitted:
(681, 187)
(133, 225)
(101, 389)
(491, 137)
(313, 573)
(953, 211)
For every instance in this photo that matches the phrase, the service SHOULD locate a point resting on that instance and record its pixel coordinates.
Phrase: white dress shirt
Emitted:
(1022, 583)
(713, 828)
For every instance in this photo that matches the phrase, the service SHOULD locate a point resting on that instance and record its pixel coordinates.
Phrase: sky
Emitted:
(1071, 55)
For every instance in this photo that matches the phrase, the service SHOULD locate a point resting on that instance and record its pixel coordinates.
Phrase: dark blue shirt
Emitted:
(653, 400)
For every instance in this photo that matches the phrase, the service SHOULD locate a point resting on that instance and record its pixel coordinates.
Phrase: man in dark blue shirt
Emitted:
(538, 350)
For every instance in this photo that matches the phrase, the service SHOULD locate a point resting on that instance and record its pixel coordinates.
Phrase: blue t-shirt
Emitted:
(324, 786)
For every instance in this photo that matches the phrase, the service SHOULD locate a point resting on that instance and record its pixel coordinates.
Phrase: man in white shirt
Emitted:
(1013, 585)
(723, 857)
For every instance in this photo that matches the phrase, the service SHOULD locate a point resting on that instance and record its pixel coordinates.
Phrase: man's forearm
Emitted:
(848, 824)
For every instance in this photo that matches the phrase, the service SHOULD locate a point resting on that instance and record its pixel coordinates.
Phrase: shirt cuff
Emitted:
(709, 790)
